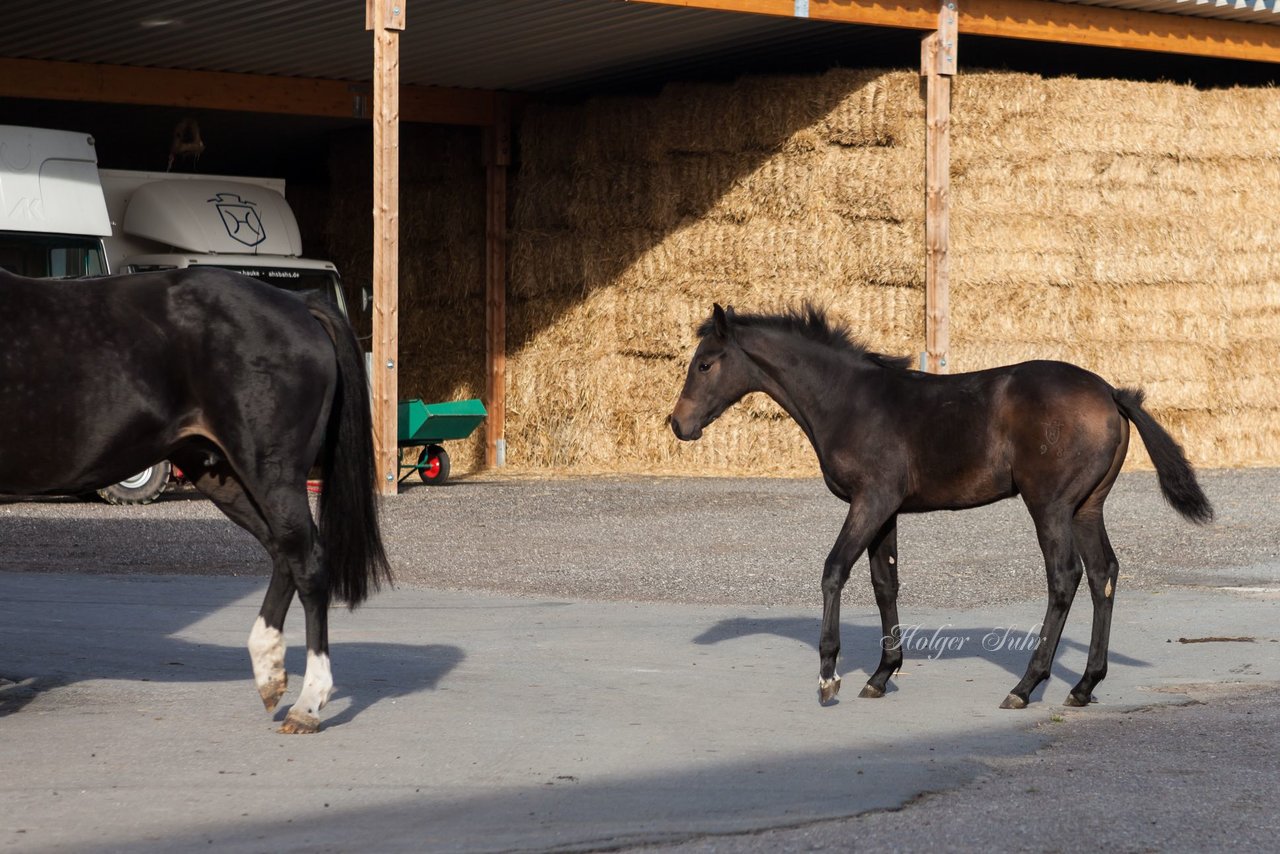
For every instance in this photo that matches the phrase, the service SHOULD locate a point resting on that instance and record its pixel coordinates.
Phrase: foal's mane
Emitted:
(810, 322)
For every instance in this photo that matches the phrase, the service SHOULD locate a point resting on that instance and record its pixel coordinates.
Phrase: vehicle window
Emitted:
(44, 256)
(75, 261)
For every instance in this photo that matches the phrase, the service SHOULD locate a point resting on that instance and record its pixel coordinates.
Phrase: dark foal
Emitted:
(892, 440)
(244, 387)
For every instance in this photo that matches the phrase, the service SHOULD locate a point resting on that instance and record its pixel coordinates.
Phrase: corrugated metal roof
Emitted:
(553, 44)
(517, 45)
(1249, 11)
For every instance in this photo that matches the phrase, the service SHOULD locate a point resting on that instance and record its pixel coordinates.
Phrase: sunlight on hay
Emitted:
(1128, 227)
(760, 193)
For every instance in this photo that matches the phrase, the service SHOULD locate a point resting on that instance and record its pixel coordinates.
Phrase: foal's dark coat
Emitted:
(892, 440)
(242, 385)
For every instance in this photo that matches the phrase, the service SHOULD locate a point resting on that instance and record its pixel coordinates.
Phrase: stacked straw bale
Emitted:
(632, 215)
(1128, 227)
(441, 285)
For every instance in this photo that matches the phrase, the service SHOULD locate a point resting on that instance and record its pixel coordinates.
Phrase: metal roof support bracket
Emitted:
(939, 50)
(384, 14)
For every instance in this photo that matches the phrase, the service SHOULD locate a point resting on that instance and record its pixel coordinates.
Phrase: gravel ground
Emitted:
(695, 540)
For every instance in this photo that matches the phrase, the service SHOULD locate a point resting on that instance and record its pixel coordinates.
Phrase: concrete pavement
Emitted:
(467, 721)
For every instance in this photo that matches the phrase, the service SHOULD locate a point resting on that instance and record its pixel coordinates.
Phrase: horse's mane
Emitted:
(810, 322)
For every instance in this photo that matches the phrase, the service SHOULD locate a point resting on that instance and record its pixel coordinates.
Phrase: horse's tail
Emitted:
(1177, 478)
(350, 537)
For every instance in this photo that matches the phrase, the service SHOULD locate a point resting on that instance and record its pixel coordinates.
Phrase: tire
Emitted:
(434, 462)
(143, 488)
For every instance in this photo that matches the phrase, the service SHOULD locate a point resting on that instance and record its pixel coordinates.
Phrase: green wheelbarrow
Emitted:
(426, 425)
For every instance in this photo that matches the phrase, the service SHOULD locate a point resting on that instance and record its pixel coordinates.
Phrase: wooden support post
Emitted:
(937, 66)
(386, 19)
(497, 157)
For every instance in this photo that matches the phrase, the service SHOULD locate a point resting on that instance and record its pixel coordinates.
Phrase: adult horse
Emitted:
(244, 387)
(892, 440)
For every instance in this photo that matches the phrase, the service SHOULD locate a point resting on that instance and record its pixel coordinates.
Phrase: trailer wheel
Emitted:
(434, 462)
(143, 488)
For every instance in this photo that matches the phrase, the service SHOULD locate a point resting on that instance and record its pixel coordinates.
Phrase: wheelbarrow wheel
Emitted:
(143, 488)
(433, 465)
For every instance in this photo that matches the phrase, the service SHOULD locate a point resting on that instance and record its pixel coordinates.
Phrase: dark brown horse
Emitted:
(244, 387)
(892, 440)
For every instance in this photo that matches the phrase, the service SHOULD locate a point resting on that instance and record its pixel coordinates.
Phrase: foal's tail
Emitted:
(350, 537)
(1177, 478)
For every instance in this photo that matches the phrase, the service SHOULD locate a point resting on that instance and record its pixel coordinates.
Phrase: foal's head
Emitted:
(721, 373)
(719, 376)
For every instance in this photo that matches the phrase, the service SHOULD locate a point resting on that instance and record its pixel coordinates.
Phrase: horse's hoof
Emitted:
(827, 690)
(300, 723)
(1013, 701)
(1076, 700)
(273, 691)
(871, 691)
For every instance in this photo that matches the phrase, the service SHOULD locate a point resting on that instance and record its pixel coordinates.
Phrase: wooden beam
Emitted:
(1036, 20)
(497, 157)
(1097, 26)
(911, 14)
(386, 238)
(937, 64)
(253, 93)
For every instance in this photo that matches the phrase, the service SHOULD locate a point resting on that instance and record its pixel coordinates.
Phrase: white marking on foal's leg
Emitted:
(266, 650)
(828, 688)
(317, 685)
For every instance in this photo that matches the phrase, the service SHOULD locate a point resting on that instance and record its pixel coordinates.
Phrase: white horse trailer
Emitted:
(53, 217)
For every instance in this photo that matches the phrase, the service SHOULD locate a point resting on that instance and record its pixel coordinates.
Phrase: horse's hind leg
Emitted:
(215, 479)
(1102, 570)
(312, 582)
(1063, 571)
(291, 538)
(883, 552)
(294, 545)
(266, 639)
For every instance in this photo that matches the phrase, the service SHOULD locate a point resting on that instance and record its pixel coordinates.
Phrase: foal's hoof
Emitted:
(827, 689)
(1076, 700)
(1013, 701)
(300, 723)
(871, 691)
(273, 691)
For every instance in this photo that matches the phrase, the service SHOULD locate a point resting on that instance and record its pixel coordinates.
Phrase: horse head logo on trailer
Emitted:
(240, 217)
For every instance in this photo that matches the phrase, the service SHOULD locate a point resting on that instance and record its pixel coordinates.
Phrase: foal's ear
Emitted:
(721, 320)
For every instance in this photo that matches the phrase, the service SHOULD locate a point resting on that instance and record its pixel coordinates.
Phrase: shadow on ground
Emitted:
(134, 634)
(1009, 648)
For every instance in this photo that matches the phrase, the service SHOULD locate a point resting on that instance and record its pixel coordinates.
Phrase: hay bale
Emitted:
(441, 284)
(1132, 240)
(1127, 227)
